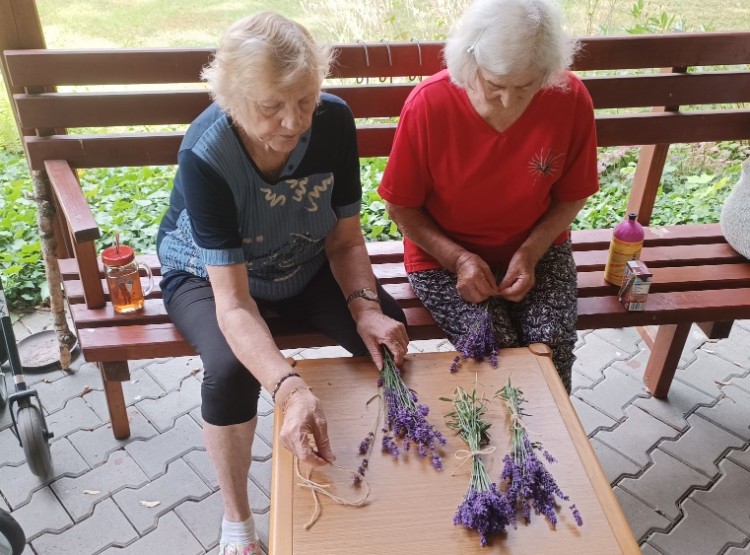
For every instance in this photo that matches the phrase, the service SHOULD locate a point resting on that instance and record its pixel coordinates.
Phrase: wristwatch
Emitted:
(365, 293)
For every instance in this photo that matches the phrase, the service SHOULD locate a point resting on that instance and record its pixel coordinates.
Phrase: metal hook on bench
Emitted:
(360, 80)
(419, 52)
(390, 60)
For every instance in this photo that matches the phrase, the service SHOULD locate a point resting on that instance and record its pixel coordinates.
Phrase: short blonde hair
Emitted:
(262, 52)
(508, 36)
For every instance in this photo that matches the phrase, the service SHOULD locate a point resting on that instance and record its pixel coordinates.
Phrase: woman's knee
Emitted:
(229, 391)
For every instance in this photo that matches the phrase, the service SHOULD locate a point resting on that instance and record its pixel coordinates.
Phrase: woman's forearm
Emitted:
(555, 221)
(419, 227)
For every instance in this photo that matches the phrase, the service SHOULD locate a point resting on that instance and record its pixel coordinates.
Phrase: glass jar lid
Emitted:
(118, 255)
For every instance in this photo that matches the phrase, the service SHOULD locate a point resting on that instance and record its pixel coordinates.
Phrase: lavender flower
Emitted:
(479, 340)
(405, 418)
(484, 508)
(528, 482)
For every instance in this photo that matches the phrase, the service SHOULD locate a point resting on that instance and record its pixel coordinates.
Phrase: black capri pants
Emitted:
(229, 392)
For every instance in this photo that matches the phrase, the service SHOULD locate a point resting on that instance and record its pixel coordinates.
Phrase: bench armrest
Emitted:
(71, 202)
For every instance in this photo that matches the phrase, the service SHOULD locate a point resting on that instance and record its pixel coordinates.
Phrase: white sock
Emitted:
(238, 532)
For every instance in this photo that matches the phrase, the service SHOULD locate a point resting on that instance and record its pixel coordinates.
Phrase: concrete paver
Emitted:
(699, 532)
(663, 484)
(636, 435)
(44, 513)
(614, 393)
(170, 490)
(79, 495)
(171, 536)
(106, 527)
(95, 445)
(729, 497)
(731, 412)
(702, 446)
(686, 457)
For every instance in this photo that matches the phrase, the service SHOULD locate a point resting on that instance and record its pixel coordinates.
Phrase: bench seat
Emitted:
(703, 281)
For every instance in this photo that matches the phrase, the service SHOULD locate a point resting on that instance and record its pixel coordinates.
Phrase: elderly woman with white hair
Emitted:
(264, 214)
(493, 159)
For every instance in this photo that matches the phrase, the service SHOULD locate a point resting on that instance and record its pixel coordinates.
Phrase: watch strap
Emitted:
(364, 293)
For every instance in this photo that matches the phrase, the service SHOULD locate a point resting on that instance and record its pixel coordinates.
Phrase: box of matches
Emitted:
(635, 285)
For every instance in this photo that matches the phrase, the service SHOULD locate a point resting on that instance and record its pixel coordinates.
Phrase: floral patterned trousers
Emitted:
(547, 314)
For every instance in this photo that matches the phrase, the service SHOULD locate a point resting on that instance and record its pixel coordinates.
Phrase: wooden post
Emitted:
(649, 169)
(20, 28)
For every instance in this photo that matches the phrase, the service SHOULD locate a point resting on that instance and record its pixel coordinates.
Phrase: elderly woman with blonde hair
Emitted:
(264, 214)
(492, 160)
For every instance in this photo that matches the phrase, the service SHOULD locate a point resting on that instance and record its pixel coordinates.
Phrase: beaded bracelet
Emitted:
(281, 381)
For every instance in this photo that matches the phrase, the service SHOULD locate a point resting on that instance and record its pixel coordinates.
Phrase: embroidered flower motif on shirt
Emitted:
(544, 164)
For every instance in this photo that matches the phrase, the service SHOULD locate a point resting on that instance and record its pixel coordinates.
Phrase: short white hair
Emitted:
(508, 36)
(261, 53)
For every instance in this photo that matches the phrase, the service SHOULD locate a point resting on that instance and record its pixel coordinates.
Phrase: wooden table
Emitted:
(411, 506)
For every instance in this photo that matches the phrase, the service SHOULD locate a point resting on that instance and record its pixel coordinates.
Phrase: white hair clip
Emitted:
(471, 49)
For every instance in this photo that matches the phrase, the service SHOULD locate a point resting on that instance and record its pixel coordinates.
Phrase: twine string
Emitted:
(317, 488)
(465, 455)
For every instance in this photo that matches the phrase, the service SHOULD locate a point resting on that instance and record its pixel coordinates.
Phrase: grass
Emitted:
(155, 23)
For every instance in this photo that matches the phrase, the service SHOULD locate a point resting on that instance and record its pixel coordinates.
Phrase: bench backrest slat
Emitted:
(138, 66)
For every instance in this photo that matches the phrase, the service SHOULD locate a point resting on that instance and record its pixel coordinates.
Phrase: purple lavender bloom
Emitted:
(405, 419)
(485, 511)
(364, 447)
(576, 515)
(484, 508)
(528, 483)
(479, 340)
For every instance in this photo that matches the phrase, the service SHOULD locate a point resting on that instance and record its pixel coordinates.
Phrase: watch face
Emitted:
(370, 294)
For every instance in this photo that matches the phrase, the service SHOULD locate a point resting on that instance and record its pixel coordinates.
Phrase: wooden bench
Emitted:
(698, 277)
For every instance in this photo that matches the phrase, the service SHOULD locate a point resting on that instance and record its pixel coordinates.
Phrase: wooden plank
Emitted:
(631, 91)
(114, 150)
(107, 67)
(655, 236)
(183, 65)
(682, 278)
(682, 127)
(665, 308)
(70, 200)
(132, 343)
(156, 149)
(659, 257)
(105, 109)
(664, 50)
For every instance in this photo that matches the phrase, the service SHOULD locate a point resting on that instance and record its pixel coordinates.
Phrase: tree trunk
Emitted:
(45, 215)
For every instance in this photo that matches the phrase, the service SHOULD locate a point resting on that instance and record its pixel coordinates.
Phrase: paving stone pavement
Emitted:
(679, 467)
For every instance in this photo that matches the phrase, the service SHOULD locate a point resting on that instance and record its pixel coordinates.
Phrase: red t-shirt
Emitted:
(487, 189)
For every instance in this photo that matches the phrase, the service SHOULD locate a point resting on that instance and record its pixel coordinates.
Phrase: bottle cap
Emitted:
(118, 255)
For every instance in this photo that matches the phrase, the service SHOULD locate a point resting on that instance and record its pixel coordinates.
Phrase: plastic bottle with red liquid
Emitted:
(626, 244)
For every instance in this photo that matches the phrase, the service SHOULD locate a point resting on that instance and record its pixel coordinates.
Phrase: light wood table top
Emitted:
(411, 505)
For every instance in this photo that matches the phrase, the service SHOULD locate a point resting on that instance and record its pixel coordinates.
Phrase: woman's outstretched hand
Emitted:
(305, 428)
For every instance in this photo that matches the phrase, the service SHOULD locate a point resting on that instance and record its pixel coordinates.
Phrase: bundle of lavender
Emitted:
(479, 341)
(484, 508)
(528, 482)
(404, 419)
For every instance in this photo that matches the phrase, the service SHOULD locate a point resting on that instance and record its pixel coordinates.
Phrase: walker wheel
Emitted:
(35, 442)
(12, 538)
